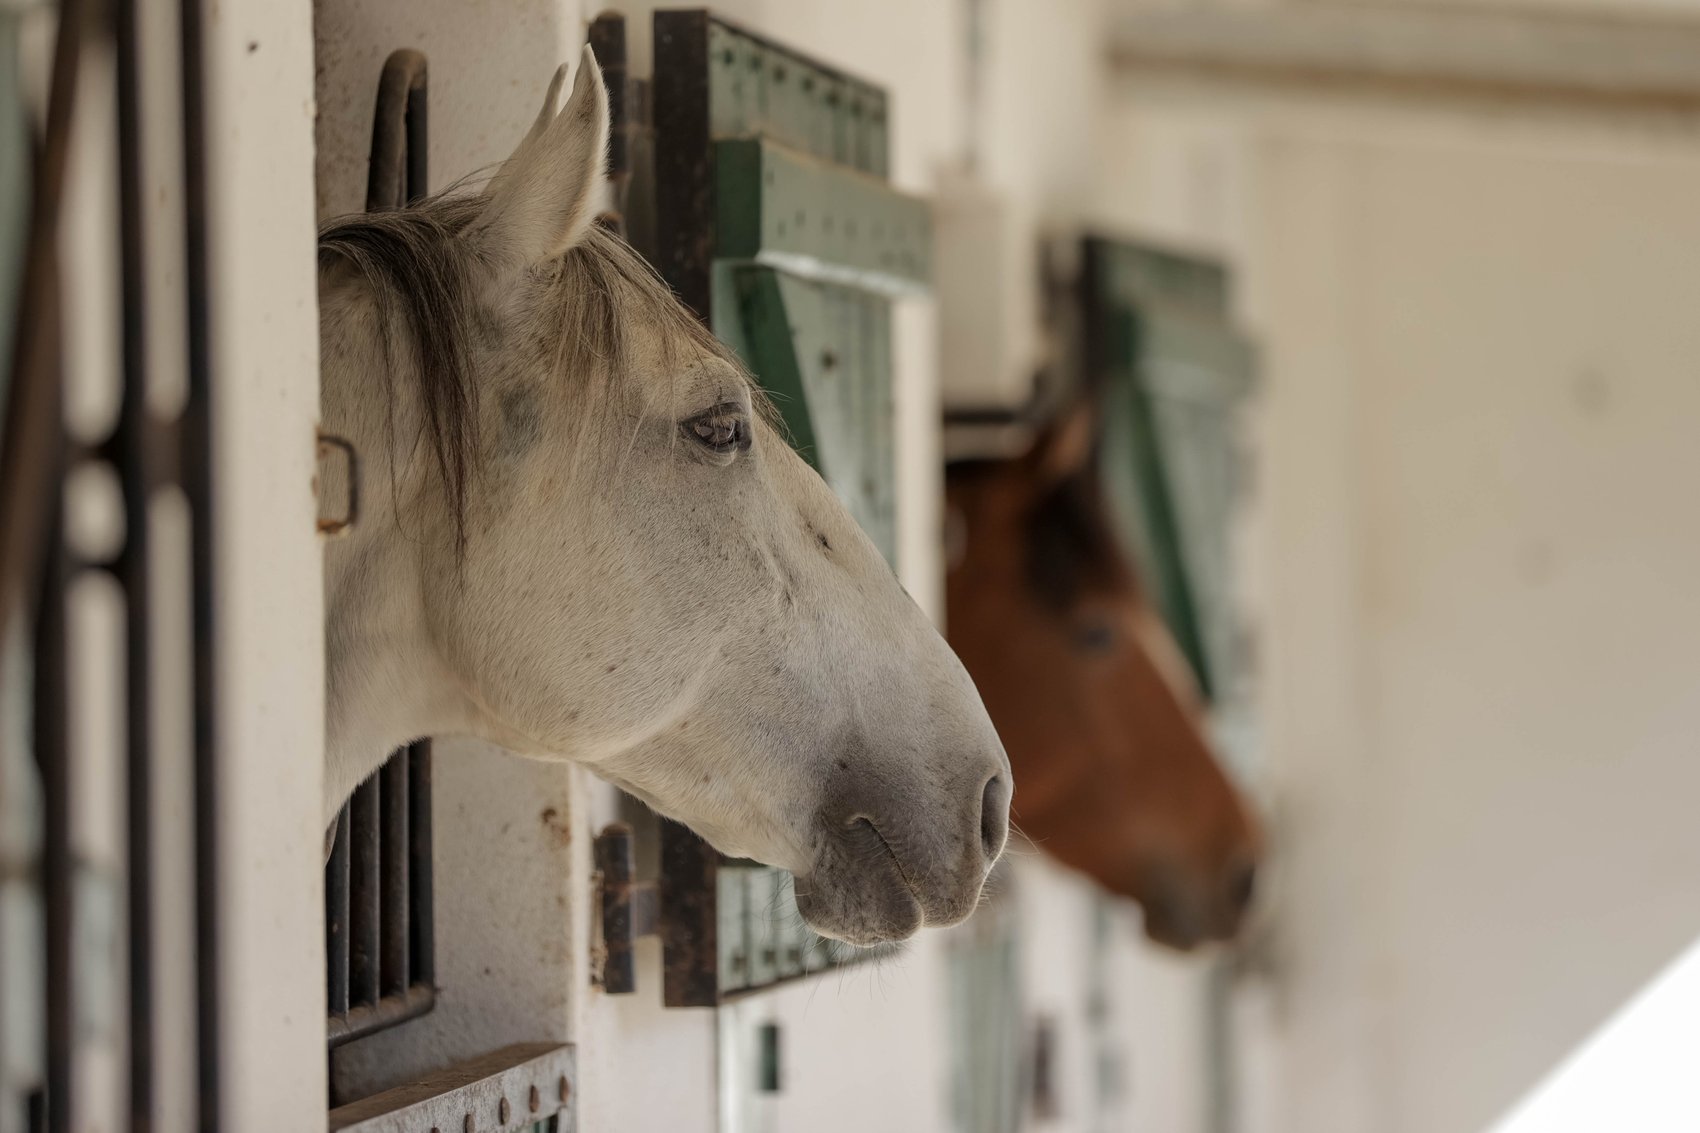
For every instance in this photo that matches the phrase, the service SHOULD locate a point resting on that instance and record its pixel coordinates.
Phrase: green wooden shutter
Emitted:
(1174, 373)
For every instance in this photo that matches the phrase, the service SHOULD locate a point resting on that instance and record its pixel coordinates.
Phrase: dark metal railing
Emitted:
(379, 948)
(378, 938)
(146, 454)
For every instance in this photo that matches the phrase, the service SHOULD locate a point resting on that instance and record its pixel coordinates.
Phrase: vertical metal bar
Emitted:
(130, 454)
(197, 477)
(416, 926)
(418, 121)
(363, 895)
(393, 975)
(31, 479)
(396, 170)
(684, 163)
(614, 861)
(57, 873)
(30, 429)
(689, 926)
(424, 960)
(336, 919)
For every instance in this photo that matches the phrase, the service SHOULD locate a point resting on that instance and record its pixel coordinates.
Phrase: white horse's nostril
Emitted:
(994, 818)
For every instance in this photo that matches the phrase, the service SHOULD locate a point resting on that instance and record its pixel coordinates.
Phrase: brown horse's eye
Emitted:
(1095, 636)
(723, 429)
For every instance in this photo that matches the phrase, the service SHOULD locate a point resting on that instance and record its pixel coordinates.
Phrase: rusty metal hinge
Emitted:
(330, 442)
(630, 909)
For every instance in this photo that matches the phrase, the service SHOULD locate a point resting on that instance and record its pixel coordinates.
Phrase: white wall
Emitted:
(271, 648)
(1477, 542)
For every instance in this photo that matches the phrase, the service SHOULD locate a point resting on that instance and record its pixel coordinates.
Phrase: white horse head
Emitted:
(584, 539)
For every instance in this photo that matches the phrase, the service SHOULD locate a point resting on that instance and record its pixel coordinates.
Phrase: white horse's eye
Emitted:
(723, 429)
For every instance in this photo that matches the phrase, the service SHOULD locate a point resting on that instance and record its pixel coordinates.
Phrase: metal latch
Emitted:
(328, 443)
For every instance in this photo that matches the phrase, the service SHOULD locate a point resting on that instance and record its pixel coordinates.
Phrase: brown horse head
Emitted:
(1095, 704)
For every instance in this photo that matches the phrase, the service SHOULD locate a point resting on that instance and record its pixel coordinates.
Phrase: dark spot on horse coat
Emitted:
(522, 421)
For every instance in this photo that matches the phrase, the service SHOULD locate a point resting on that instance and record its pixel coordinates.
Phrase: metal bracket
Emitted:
(630, 909)
(329, 442)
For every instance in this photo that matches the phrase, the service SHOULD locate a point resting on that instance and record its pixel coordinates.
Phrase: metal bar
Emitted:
(684, 164)
(363, 895)
(197, 482)
(418, 132)
(367, 1018)
(614, 861)
(690, 961)
(396, 174)
(31, 433)
(336, 918)
(58, 877)
(424, 963)
(393, 977)
(131, 445)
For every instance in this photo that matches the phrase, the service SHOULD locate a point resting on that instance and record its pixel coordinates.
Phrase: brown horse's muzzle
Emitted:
(1184, 912)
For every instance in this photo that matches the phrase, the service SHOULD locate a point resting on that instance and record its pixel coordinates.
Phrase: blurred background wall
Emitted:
(1473, 550)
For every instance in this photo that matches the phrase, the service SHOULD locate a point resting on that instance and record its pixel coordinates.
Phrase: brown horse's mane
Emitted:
(1071, 547)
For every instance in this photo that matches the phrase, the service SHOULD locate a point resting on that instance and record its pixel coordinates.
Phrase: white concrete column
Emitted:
(264, 312)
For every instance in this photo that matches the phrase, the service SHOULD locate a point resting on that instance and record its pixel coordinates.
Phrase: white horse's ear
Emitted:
(546, 196)
(551, 104)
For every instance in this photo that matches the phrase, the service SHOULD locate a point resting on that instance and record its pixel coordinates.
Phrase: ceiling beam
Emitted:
(1421, 52)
